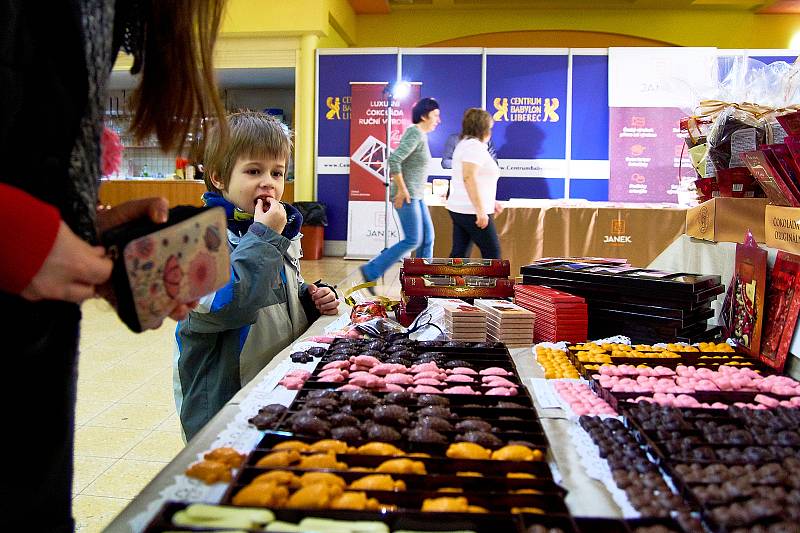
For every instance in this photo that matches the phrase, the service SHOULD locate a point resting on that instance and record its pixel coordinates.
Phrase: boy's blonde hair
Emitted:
(251, 134)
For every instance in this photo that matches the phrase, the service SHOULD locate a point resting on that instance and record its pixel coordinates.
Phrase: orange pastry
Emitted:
(402, 466)
(317, 496)
(209, 472)
(516, 452)
(450, 489)
(296, 445)
(445, 505)
(477, 509)
(280, 477)
(262, 495)
(321, 460)
(532, 510)
(378, 448)
(355, 501)
(311, 478)
(378, 482)
(526, 491)
(229, 456)
(328, 446)
(469, 474)
(520, 475)
(467, 450)
(279, 459)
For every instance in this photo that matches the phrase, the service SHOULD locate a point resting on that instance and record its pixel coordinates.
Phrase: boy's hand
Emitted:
(324, 299)
(274, 217)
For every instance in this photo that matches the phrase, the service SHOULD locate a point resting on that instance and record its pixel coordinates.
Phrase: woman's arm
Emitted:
(470, 173)
(409, 142)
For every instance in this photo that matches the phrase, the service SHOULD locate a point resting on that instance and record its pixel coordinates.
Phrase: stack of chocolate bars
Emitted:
(506, 322)
(559, 316)
(465, 279)
(460, 320)
(648, 306)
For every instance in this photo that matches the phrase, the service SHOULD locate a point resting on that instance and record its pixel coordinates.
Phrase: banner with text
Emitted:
(367, 212)
(649, 90)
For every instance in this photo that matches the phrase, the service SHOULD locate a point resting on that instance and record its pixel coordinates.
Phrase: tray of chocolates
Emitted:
(402, 365)
(381, 477)
(741, 467)
(425, 423)
(177, 516)
(635, 473)
(446, 286)
(629, 278)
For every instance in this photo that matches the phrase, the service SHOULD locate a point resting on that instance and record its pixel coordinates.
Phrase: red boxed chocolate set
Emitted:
(559, 316)
(462, 278)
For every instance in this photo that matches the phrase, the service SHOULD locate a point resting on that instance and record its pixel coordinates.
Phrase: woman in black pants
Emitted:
(471, 202)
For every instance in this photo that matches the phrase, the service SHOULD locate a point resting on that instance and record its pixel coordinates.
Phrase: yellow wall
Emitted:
(723, 29)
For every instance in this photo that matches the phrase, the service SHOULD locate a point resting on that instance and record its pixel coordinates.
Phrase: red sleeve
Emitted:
(28, 229)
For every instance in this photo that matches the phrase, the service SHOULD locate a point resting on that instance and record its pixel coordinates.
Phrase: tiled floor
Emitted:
(127, 429)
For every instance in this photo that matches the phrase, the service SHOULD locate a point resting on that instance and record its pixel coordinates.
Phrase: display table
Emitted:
(533, 229)
(692, 255)
(177, 192)
(586, 497)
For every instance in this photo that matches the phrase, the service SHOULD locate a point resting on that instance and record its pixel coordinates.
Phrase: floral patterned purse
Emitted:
(158, 266)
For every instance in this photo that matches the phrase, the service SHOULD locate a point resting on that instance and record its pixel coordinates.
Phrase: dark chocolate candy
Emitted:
(487, 440)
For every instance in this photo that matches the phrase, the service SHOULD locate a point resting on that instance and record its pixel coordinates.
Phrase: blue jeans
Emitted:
(418, 230)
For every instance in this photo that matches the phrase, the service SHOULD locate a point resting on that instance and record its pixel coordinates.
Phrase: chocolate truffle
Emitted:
(342, 419)
(381, 433)
(474, 425)
(426, 435)
(309, 425)
(346, 433)
(435, 423)
(487, 440)
(400, 398)
(392, 415)
(432, 399)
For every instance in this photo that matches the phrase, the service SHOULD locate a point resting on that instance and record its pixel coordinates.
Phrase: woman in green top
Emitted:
(408, 166)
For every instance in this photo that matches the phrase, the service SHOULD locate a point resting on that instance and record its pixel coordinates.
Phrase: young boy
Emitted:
(235, 332)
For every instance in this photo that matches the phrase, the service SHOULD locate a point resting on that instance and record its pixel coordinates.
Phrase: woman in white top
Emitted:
(471, 202)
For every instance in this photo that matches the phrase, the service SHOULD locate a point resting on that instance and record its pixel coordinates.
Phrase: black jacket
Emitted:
(43, 93)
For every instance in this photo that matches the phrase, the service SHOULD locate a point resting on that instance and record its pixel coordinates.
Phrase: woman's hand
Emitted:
(481, 220)
(498, 208)
(401, 197)
(158, 211)
(71, 271)
(324, 299)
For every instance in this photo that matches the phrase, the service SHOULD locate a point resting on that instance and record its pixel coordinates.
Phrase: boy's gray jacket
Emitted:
(236, 331)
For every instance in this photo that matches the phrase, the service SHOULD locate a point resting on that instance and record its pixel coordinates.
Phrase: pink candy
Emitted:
(424, 367)
(365, 360)
(497, 381)
(332, 378)
(459, 378)
(431, 374)
(424, 389)
(388, 368)
(461, 389)
(463, 370)
(502, 391)
(494, 371)
(337, 364)
(368, 381)
(581, 399)
(427, 381)
(399, 379)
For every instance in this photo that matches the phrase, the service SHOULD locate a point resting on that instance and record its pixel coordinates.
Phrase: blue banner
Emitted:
(334, 77)
(454, 80)
(333, 134)
(527, 95)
